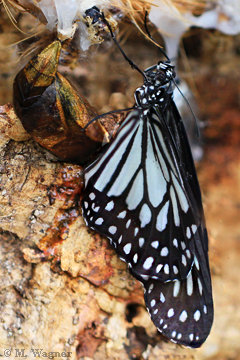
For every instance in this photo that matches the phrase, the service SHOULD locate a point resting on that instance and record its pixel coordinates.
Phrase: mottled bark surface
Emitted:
(62, 287)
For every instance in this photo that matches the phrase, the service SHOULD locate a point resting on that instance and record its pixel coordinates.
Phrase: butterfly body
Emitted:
(143, 194)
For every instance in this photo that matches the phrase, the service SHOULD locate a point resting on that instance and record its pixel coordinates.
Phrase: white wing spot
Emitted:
(204, 309)
(112, 229)
(175, 269)
(148, 263)
(161, 321)
(176, 288)
(99, 221)
(122, 214)
(136, 230)
(86, 204)
(88, 212)
(166, 269)
(188, 233)
(96, 209)
(153, 302)
(92, 196)
(127, 248)
(191, 337)
(155, 244)
(188, 254)
(165, 326)
(162, 298)
(120, 239)
(184, 260)
(158, 268)
(200, 287)
(196, 262)
(162, 217)
(91, 218)
(194, 228)
(170, 312)
(174, 206)
(135, 258)
(197, 315)
(174, 333)
(141, 241)
(155, 311)
(189, 284)
(145, 215)
(128, 223)
(109, 206)
(183, 316)
(179, 336)
(175, 243)
(183, 245)
(164, 251)
(150, 288)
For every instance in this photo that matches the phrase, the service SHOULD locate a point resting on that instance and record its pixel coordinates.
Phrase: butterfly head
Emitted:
(158, 84)
(164, 73)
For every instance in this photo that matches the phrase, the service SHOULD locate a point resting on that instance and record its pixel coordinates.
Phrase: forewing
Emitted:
(187, 167)
(135, 196)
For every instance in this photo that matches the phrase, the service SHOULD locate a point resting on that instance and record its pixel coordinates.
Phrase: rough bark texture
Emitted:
(62, 287)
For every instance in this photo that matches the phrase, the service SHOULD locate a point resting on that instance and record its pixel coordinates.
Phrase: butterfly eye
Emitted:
(161, 76)
(141, 97)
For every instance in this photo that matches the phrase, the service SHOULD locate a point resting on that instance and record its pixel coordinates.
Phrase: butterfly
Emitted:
(143, 194)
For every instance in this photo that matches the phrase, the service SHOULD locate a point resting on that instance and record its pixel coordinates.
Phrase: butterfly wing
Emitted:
(183, 310)
(143, 194)
(135, 195)
(178, 132)
(125, 189)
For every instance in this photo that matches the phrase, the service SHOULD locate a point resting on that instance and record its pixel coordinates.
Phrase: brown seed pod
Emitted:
(52, 111)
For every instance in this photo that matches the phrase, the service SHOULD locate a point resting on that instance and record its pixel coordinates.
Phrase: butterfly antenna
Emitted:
(108, 113)
(150, 37)
(163, 52)
(131, 63)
